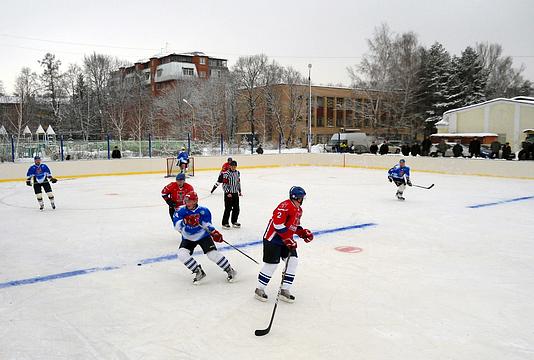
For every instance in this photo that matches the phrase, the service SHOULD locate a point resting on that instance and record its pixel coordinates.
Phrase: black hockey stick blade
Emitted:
(262, 332)
(424, 187)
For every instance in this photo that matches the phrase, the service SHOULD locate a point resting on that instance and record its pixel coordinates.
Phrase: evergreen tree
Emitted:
(467, 84)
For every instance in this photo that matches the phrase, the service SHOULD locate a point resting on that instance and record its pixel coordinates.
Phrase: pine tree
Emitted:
(467, 84)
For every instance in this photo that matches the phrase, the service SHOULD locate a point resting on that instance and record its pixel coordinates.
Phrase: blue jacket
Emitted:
(41, 173)
(183, 217)
(398, 172)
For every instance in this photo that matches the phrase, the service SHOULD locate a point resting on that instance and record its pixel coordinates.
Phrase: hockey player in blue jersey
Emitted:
(183, 160)
(194, 223)
(400, 175)
(41, 176)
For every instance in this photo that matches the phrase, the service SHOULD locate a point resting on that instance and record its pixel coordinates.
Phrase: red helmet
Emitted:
(191, 196)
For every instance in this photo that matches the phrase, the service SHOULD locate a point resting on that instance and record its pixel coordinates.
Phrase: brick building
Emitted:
(162, 72)
(334, 109)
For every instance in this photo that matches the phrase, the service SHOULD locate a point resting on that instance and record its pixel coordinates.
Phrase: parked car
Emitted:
(357, 139)
(395, 146)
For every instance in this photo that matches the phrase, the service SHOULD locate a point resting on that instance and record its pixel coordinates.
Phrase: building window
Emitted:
(159, 73)
(202, 74)
(188, 71)
(202, 61)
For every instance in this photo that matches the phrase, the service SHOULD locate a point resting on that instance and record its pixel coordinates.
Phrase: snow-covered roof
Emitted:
(513, 101)
(50, 131)
(27, 130)
(9, 100)
(40, 130)
(442, 122)
(459, 135)
(524, 98)
(528, 131)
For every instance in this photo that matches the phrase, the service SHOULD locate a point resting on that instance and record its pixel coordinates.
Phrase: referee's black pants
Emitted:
(231, 205)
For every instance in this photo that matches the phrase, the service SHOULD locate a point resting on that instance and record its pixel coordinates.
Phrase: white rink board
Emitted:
(434, 279)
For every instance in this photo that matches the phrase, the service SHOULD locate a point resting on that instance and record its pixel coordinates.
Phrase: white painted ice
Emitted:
(435, 280)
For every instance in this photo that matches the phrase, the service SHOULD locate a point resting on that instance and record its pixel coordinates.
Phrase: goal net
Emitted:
(173, 167)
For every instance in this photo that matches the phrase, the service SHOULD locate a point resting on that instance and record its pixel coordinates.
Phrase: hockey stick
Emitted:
(266, 331)
(240, 251)
(424, 187)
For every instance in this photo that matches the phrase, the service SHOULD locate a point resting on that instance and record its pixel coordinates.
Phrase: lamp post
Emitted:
(309, 108)
(192, 117)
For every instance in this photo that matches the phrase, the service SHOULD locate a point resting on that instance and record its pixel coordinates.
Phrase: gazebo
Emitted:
(50, 134)
(27, 133)
(40, 131)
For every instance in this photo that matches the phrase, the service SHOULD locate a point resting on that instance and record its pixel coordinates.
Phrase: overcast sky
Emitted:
(329, 34)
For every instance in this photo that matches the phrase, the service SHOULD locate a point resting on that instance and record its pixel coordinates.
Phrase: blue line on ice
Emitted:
(169, 257)
(500, 202)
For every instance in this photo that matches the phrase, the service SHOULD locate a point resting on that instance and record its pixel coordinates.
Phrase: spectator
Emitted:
(495, 146)
(374, 148)
(442, 147)
(531, 151)
(474, 148)
(457, 150)
(523, 153)
(259, 150)
(506, 151)
(416, 149)
(352, 149)
(116, 153)
(425, 146)
(384, 148)
(405, 149)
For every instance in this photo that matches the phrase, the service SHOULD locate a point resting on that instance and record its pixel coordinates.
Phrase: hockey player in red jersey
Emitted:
(225, 168)
(174, 193)
(278, 243)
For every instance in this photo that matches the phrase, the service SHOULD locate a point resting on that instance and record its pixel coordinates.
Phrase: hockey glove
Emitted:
(408, 182)
(53, 180)
(29, 182)
(305, 234)
(290, 243)
(192, 220)
(390, 179)
(216, 236)
(170, 202)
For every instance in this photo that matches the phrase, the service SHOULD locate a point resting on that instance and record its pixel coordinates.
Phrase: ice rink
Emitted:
(447, 274)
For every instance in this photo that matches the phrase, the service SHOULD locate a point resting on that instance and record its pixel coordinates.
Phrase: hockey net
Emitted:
(173, 168)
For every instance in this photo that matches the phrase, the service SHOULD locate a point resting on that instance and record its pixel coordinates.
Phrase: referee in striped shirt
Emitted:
(232, 192)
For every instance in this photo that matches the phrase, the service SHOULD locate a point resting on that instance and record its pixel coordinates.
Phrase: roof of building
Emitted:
(516, 100)
(459, 135)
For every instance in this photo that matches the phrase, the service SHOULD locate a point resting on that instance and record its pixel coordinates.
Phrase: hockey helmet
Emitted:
(296, 192)
(180, 176)
(191, 196)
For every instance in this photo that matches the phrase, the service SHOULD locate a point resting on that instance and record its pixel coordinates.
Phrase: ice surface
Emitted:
(435, 279)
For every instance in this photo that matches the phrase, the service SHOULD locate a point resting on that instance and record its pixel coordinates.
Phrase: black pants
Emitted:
(231, 205)
(171, 211)
(37, 187)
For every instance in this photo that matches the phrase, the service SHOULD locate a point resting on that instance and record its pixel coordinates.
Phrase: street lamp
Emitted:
(192, 116)
(309, 109)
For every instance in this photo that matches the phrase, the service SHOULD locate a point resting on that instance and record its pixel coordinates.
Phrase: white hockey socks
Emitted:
(265, 275)
(290, 272)
(187, 259)
(219, 259)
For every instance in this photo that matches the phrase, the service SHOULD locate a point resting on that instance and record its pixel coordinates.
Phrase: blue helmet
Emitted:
(296, 192)
(180, 176)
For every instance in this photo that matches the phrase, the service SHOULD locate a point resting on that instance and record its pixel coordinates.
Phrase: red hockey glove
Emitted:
(216, 236)
(290, 243)
(305, 234)
(192, 220)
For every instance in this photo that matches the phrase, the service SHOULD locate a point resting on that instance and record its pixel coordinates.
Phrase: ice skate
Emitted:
(226, 226)
(41, 206)
(236, 225)
(53, 205)
(231, 274)
(286, 296)
(260, 295)
(199, 275)
(400, 197)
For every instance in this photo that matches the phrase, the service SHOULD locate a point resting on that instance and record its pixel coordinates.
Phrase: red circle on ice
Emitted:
(349, 249)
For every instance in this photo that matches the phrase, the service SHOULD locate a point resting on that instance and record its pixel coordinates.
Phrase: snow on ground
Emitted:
(434, 280)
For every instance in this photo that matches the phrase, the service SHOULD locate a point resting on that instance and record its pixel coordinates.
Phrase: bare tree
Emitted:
(51, 79)
(296, 96)
(26, 87)
(249, 74)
